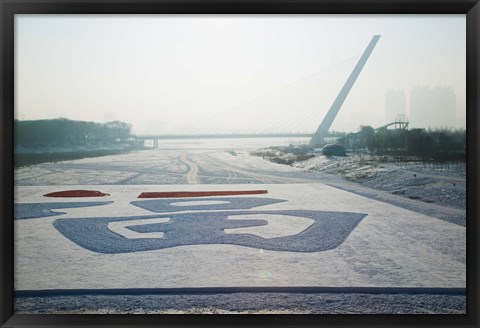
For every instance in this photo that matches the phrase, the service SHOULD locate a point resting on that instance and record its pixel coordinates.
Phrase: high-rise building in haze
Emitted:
(432, 108)
(395, 104)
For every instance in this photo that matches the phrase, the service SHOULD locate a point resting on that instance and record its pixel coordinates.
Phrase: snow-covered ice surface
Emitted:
(390, 247)
(399, 243)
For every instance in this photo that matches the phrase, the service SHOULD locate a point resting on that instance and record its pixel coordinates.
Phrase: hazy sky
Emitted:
(169, 72)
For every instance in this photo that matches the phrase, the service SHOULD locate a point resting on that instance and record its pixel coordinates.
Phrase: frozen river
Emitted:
(200, 161)
(309, 231)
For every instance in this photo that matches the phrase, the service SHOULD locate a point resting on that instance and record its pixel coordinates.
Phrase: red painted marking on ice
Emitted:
(184, 194)
(76, 193)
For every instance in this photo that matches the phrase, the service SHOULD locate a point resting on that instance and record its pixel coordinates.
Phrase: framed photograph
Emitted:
(286, 163)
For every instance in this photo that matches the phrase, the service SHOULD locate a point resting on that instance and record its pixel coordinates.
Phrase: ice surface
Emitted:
(390, 247)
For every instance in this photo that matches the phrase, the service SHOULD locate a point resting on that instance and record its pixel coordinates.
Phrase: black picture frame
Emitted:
(471, 8)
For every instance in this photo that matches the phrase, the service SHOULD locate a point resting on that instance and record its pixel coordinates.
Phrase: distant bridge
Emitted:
(319, 136)
(317, 139)
(155, 138)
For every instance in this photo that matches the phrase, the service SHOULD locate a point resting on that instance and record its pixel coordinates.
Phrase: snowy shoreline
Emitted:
(439, 183)
(31, 156)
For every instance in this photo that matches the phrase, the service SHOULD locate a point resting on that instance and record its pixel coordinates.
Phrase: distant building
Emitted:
(395, 104)
(432, 108)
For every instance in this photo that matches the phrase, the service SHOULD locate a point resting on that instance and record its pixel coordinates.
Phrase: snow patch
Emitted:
(121, 228)
(278, 225)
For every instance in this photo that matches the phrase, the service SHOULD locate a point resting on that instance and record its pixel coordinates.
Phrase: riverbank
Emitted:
(439, 183)
(31, 156)
(430, 182)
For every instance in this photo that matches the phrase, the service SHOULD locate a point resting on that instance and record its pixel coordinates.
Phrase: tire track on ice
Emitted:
(192, 174)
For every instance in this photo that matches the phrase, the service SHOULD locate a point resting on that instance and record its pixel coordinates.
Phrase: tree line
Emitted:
(437, 144)
(65, 132)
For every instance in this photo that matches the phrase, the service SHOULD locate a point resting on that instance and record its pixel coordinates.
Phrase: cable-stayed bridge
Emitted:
(290, 111)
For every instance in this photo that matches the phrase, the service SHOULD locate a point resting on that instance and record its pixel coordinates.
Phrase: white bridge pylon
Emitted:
(318, 137)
